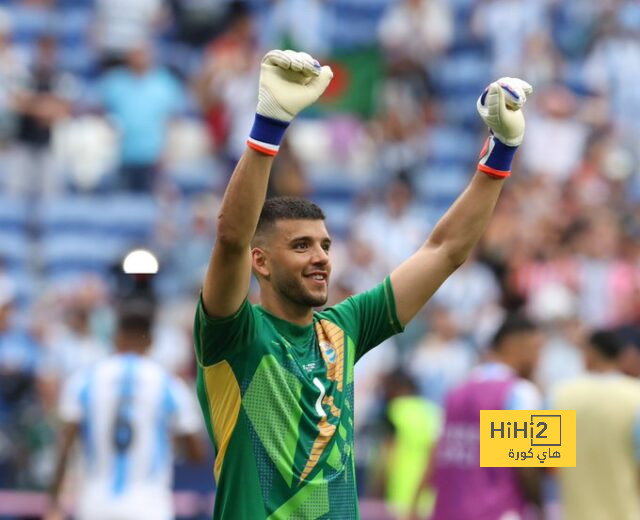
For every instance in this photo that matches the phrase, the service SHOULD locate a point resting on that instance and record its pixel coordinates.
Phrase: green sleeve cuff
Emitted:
(390, 301)
(212, 319)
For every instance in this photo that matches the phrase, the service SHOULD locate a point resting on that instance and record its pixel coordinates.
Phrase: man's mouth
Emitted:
(317, 276)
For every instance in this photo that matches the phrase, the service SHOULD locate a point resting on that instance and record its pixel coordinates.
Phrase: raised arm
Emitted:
(458, 231)
(289, 82)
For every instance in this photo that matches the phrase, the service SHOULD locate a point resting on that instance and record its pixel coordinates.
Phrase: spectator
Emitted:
(189, 260)
(19, 359)
(606, 281)
(288, 177)
(576, 24)
(414, 31)
(73, 343)
(556, 133)
(542, 248)
(141, 98)
(442, 359)
(400, 131)
(361, 266)
(120, 25)
(43, 102)
(198, 21)
(542, 64)
(464, 489)
(172, 346)
(283, 24)
(393, 229)
(594, 181)
(471, 296)
(508, 25)
(613, 66)
(605, 482)
(13, 76)
(225, 88)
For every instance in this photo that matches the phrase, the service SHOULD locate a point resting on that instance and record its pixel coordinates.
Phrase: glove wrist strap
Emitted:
(266, 134)
(496, 158)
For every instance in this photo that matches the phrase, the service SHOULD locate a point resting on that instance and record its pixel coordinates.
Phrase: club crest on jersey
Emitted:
(329, 351)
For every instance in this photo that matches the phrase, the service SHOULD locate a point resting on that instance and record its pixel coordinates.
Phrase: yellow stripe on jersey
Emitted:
(326, 433)
(224, 406)
(328, 400)
(331, 341)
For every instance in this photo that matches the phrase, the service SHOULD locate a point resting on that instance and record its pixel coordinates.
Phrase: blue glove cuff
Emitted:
(496, 158)
(267, 134)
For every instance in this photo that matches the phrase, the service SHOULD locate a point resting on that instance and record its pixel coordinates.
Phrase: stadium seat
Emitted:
(437, 184)
(452, 143)
(463, 73)
(78, 59)
(74, 26)
(73, 253)
(89, 233)
(338, 216)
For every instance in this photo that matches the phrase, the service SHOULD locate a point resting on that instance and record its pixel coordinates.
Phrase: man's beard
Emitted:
(293, 290)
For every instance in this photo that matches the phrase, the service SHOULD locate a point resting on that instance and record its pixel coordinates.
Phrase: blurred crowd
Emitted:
(153, 100)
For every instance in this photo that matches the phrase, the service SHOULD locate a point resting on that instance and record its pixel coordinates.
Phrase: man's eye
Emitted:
(300, 245)
(326, 247)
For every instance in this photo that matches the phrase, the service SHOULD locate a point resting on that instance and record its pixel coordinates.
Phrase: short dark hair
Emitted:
(286, 208)
(400, 379)
(606, 343)
(511, 325)
(135, 316)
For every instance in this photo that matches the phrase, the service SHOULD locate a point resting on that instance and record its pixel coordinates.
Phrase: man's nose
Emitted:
(320, 255)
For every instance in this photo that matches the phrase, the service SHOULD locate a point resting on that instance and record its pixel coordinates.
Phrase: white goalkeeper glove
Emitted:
(289, 82)
(500, 106)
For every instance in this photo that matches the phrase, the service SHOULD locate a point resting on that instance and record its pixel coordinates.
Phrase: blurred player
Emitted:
(126, 409)
(605, 482)
(275, 380)
(464, 490)
(413, 425)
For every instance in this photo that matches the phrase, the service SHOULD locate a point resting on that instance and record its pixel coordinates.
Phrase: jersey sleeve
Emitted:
(217, 339)
(369, 317)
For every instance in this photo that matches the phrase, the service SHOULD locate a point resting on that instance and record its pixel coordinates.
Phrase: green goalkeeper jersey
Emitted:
(278, 404)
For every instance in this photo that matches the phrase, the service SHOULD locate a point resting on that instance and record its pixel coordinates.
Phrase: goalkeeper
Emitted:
(275, 380)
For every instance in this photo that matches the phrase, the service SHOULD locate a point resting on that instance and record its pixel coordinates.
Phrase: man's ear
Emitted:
(260, 262)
